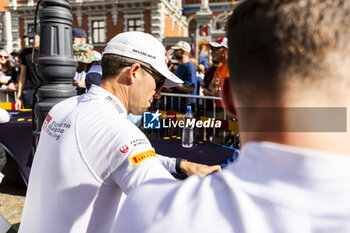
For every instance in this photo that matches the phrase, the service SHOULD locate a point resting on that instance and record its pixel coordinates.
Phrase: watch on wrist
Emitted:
(177, 165)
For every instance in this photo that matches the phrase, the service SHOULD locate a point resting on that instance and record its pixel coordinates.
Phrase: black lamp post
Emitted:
(56, 65)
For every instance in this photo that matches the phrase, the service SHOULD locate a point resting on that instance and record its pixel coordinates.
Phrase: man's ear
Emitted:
(132, 73)
(227, 97)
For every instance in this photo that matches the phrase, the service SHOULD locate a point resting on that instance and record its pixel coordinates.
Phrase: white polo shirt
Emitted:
(88, 155)
(272, 188)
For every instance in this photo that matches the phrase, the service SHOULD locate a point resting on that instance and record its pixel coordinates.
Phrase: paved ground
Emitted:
(11, 203)
(12, 195)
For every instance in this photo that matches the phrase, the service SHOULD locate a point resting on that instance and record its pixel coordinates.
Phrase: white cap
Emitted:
(143, 47)
(221, 42)
(182, 45)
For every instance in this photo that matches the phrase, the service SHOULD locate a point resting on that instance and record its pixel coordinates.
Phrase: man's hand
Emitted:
(11, 87)
(208, 92)
(217, 91)
(190, 168)
(80, 84)
(18, 104)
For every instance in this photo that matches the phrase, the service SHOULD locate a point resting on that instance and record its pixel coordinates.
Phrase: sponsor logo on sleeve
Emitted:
(124, 149)
(140, 157)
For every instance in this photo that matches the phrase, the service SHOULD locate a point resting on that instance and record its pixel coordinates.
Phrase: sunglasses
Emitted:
(159, 83)
(6, 57)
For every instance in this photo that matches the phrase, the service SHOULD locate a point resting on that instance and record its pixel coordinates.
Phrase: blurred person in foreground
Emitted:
(283, 54)
(89, 154)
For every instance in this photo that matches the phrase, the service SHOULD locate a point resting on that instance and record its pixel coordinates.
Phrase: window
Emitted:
(135, 25)
(30, 28)
(98, 31)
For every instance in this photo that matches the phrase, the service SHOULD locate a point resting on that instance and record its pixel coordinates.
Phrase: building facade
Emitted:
(103, 19)
(167, 20)
(5, 27)
(220, 9)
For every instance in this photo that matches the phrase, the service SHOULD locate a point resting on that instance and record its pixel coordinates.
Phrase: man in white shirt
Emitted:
(89, 154)
(289, 67)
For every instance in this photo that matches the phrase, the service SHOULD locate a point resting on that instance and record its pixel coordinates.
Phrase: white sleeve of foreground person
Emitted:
(164, 206)
(271, 188)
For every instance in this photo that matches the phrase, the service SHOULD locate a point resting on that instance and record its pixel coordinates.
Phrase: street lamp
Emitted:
(56, 65)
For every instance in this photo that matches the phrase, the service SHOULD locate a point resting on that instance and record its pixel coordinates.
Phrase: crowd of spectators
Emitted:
(198, 76)
(19, 72)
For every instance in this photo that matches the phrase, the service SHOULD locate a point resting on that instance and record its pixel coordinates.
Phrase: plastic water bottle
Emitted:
(187, 131)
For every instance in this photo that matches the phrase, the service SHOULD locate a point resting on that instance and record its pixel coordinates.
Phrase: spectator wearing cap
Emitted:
(219, 53)
(186, 71)
(89, 154)
(89, 69)
(28, 79)
(79, 36)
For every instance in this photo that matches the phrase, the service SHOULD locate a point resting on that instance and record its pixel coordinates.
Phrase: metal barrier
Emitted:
(205, 109)
(5, 95)
(227, 135)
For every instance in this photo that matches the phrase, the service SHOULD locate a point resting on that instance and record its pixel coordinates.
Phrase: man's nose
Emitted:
(157, 95)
